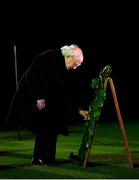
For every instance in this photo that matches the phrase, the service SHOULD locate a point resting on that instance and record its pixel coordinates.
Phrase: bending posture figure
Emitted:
(40, 102)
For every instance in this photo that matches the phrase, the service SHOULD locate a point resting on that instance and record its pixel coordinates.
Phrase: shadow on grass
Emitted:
(35, 174)
(14, 154)
(5, 167)
(135, 165)
(94, 164)
(64, 168)
(13, 166)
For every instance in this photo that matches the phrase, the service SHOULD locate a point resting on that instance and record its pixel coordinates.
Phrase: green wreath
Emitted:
(94, 110)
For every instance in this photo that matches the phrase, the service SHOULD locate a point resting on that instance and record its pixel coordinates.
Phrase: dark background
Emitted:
(108, 36)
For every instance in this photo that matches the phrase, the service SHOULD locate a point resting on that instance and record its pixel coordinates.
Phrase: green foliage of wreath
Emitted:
(94, 110)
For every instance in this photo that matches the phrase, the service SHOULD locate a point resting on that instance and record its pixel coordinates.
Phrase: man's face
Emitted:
(78, 59)
(73, 62)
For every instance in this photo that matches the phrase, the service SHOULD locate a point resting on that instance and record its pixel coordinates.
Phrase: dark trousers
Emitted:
(45, 145)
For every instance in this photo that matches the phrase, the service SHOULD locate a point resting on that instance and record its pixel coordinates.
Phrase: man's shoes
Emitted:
(38, 162)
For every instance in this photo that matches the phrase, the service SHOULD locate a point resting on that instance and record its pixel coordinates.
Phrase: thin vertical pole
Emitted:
(125, 141)
(16, 81)
(16, 71)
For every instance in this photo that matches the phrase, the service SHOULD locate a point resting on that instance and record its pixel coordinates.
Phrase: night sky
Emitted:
(106, 40)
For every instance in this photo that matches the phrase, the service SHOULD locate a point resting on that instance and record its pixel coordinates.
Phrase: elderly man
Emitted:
(40, 103)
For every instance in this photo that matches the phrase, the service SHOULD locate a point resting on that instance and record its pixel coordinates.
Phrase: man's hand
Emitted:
(84, 113)
(41, 104)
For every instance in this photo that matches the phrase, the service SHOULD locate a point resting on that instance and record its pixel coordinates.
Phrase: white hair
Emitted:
(69, 50)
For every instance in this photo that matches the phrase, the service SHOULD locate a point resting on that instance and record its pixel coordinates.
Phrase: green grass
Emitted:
(108, 155)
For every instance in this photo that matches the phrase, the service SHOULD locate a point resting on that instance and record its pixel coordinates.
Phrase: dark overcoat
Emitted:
(44, 79)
